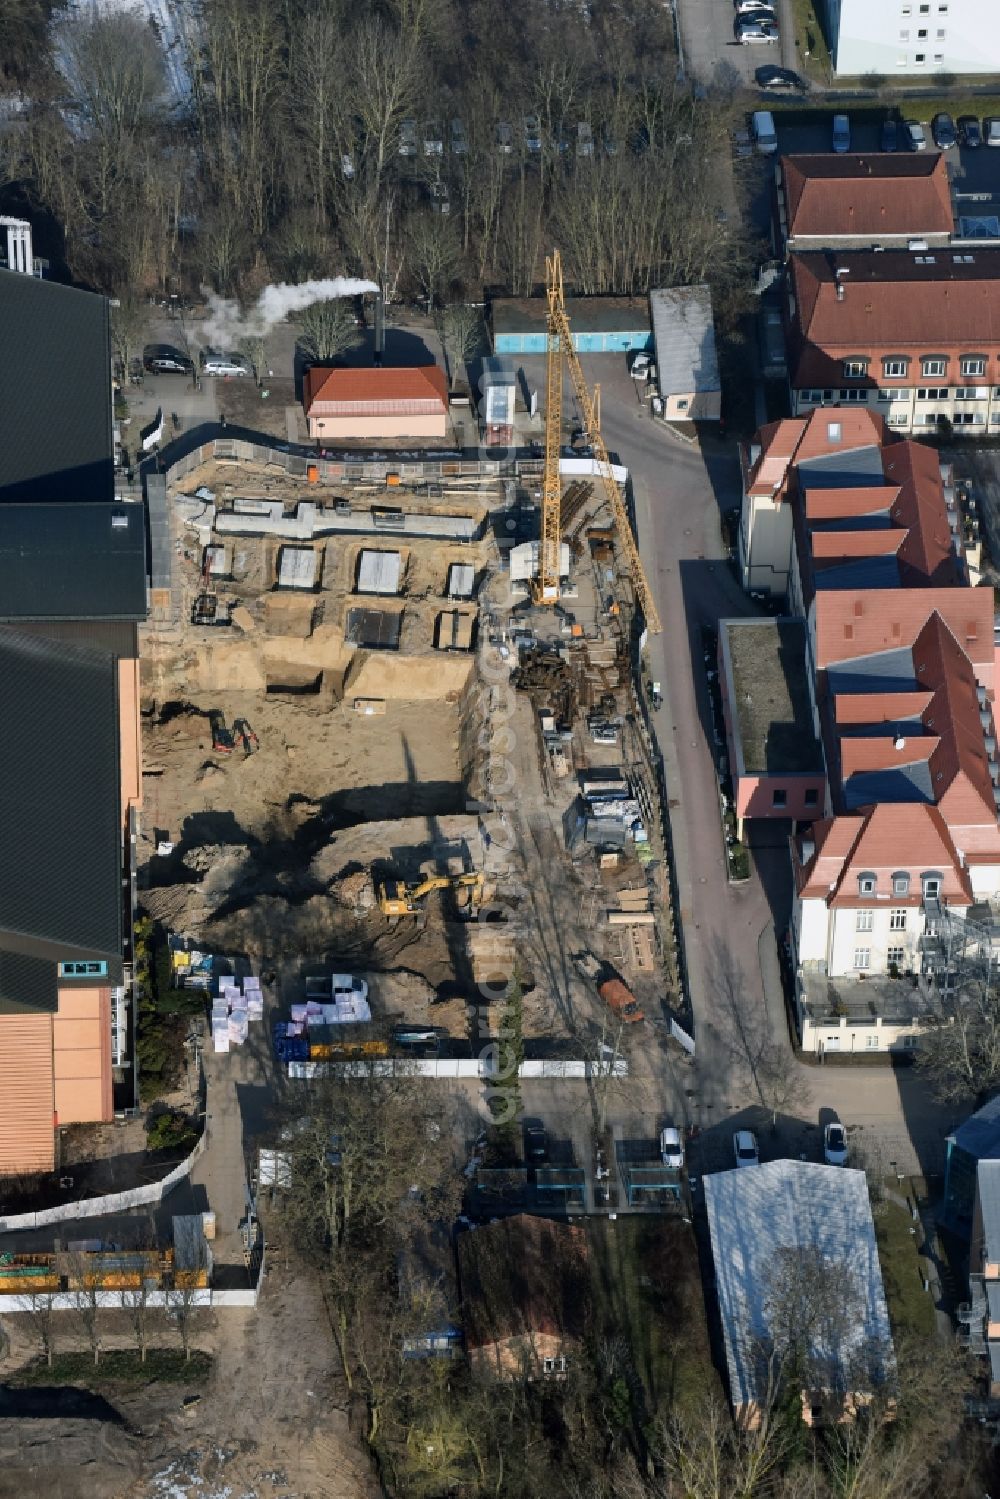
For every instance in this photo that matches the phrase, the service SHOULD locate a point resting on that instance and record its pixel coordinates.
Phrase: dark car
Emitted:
(889, 138)
(943, 131)
(778, 78)
(969, 132)
(536, 1145)
(163, 359)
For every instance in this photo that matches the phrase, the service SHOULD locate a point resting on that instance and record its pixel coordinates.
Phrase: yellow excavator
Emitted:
(398, 899)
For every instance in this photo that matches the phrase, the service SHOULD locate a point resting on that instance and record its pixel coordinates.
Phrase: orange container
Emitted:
(312, 473)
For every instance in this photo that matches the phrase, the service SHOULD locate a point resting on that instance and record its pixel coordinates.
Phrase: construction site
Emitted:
(386, 697)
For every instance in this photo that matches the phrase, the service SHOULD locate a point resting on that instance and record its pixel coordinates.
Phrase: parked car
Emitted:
(889, 137)
(969, 133)
(772, 78)
(407, 137)
(764, 133)
(841, 134)
(584, 139)
(639, 364)
(440, 197)
(214, 362)
(991, 130)
(536, 1144)
(759, 15)
(532, 126)
(433, 140)
(943, 131)
(459, 139)
(751, 7)
(505, 138)
(916, 136)
(745, 1148)
(671, 1148)
(164, 359)
(756, 33)
(347, 166)
(835, 1144)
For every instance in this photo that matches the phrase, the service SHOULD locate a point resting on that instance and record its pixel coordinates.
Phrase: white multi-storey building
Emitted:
(913, 36)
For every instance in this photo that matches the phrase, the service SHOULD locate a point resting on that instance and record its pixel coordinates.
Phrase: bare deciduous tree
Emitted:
(328, 329)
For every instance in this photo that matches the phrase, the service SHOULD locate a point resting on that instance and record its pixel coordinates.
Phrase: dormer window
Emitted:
(866, 883)
(973, 365)
(933, 366)
(930, 882)
(894, 367)
(855, 368)
(901, 883)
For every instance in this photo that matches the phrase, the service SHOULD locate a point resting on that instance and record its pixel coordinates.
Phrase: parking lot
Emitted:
(974, 173)
(711, 53)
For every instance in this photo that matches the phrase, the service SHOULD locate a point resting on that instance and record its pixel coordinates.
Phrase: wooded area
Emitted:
(283, 160)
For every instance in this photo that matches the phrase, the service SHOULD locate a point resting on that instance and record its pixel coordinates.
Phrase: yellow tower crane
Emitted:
(560, 345)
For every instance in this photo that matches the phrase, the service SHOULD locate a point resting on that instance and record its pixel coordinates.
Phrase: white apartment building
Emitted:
(894, 37)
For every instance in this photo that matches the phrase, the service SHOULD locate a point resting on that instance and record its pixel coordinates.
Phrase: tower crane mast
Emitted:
(560, 346)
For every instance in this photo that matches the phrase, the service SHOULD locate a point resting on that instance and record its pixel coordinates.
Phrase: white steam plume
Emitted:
(226, 324)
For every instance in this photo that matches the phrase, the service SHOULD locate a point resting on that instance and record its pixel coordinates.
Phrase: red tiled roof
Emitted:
(894, 305)
(850, 623)
(878, 707)
(926, 554)
(867, 196)
(349, 392)
(844, 504)
(840, 546)
(860, 754)
(794, 439)
(903, 835)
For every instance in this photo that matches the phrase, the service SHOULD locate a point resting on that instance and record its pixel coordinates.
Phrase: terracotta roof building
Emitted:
(852, 526)
(857, 201)
(375, 403)
(914, 335)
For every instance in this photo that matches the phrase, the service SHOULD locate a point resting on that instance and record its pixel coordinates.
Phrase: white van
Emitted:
(764, 133)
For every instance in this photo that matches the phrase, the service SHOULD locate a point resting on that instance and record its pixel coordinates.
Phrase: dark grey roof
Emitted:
(988, 1184)
(159, 531)
(893, 783)
(979, 1135)
(55, 392)
(842, 470)
(684, 333)
(72, 561)
(881, 671)
(27, 984)
(586, 314)
(858, 573)
(60, 840)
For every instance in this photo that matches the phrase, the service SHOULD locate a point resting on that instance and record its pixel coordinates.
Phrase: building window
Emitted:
(972, 393)
(897, 921)
(779, 798)
(922, 34)
(865, 921)
(81, 970)
(894, 368)
(871, 1041)
(941, 35)
(811, 797)
(933, 366)
(904, 36)
(932, 393)
(682, 405)
(862, 958)
(855, 369)
(919, 60)
(939, 57)
(895, 955)
(901, 883)
(931, 884)
(973, 364)
(866, 884)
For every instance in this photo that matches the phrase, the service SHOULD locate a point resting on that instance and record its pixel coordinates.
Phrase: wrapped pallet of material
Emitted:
(208, 1225)
(251, 984)
(299, 1012)
(220, 1040)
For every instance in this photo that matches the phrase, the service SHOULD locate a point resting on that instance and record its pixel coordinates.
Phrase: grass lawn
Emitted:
(809, 38)
(646, 1288)
(911, 1309)
(118, 1367)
